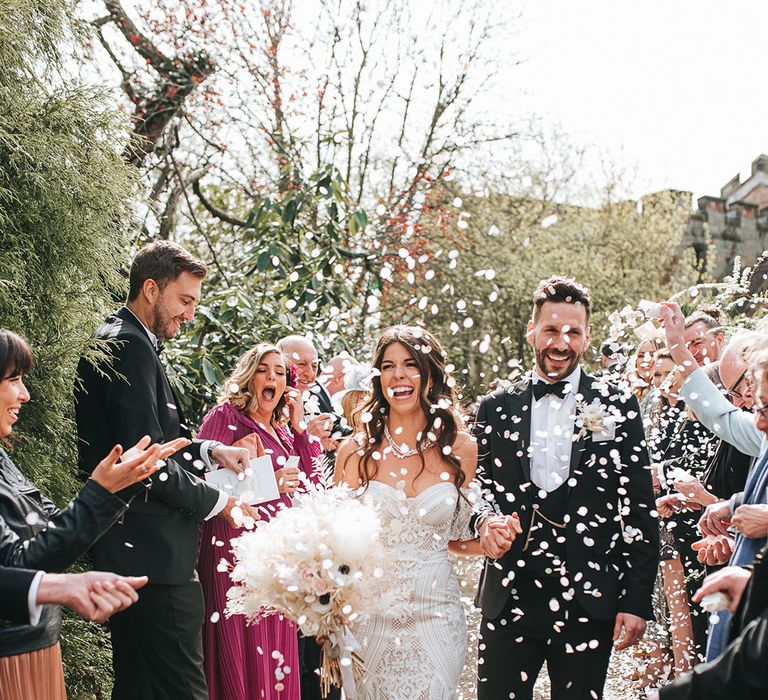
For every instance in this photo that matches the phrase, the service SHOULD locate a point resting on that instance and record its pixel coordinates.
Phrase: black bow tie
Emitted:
(544, 388)
(158, 348)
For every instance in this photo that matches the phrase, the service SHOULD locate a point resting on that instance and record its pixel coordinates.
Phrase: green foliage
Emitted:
(63, 195)
(286, 270)
(479, 300)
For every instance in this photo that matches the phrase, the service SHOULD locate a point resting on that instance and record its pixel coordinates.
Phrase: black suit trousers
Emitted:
(514, 646)
(157, 645)
(309, 664)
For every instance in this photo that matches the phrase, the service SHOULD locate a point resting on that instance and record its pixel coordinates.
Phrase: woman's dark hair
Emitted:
(15, 355)
(437, 399)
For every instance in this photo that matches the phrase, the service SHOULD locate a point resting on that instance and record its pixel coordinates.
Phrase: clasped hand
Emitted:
(497, 533)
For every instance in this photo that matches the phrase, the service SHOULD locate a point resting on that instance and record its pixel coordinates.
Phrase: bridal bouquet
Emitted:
(319, 564)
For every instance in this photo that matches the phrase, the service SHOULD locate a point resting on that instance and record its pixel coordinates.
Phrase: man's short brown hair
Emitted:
(561, 289)
(163, 262)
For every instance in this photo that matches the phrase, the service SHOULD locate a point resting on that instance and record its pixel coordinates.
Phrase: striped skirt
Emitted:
(36, 675)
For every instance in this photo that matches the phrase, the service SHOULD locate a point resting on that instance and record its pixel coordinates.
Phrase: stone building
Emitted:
(735, 223)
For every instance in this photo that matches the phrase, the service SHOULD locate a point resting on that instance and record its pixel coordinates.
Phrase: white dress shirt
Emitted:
(35, 609)
(205, 445)
(552, 425)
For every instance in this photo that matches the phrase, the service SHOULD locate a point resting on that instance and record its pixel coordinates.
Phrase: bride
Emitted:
(415, 460)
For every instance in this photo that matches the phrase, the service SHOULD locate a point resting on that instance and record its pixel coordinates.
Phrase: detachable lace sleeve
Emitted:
(460, 525)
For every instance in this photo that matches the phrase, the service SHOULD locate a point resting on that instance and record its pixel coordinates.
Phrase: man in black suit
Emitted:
(157, 643)
(568, 456)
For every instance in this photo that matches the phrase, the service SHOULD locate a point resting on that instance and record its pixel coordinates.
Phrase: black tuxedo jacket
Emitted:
(609, 494)
(323, 397)
(119, 402)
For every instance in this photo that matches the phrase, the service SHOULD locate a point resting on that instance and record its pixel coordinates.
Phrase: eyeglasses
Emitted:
(732, 393)
(760, 410)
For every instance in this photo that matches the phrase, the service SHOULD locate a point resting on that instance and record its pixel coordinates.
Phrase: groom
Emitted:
(568, 455)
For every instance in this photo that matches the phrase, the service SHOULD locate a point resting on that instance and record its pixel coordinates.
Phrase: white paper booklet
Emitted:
(258, 485)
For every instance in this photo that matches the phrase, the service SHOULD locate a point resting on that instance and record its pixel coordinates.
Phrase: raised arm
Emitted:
(719, 415)
(714, 411)
(68, 534)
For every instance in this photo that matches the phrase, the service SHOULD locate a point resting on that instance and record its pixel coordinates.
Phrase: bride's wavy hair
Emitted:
(437, 398)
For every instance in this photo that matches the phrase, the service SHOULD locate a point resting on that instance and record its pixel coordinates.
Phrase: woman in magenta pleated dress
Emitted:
(260, 411)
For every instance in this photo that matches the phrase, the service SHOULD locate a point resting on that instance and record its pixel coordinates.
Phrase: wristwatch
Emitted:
(212, 445)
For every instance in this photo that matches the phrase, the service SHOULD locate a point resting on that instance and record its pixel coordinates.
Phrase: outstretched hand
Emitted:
(716, 519)
(713, 550)
(138, 463)
(674, 323)
(673, 319)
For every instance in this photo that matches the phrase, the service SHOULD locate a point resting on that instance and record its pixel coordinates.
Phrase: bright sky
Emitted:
(671, 87)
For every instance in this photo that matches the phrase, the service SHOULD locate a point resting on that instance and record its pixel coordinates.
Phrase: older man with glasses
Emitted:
(742, 371)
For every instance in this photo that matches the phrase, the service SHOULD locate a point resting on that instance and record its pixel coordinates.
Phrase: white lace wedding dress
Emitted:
(416, 652)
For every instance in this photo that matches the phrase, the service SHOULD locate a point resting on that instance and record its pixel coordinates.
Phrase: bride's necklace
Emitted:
(397, 449)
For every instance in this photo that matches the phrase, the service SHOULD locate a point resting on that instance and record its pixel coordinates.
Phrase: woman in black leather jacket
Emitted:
(35, 534)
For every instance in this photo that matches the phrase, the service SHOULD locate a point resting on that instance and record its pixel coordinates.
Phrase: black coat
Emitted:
(119, 402)
(35, 534)
(14, 592)
(741, 670)
(609, 576)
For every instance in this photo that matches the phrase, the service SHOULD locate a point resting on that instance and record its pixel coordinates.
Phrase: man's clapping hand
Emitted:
(96, 595)
(321, 426)
(497, 533)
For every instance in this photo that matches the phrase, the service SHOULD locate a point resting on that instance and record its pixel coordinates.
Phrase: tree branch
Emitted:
(146, 49)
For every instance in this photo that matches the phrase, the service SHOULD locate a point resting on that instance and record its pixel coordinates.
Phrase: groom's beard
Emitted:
(163, 325)
(555, 372)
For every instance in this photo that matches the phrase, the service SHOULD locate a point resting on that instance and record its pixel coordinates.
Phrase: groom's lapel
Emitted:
(519, 417)
(580, 446)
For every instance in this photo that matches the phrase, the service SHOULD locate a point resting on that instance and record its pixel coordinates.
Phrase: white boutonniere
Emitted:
(595, 419)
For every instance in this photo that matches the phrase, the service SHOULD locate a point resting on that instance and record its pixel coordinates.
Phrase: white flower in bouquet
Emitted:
(320, 564)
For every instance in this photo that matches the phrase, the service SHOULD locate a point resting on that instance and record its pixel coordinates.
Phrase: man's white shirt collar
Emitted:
(152, 336)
